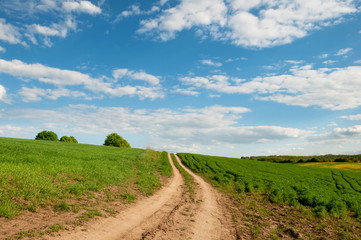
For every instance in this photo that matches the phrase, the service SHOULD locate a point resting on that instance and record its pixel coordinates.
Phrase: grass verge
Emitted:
(188, 179)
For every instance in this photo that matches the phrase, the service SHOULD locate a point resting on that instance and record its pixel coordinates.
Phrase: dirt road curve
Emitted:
(168, 214)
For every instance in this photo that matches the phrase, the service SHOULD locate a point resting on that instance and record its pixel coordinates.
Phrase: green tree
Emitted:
(73, 140)
(70, 139)
(115, 140)
(64, 139)
(47, 135)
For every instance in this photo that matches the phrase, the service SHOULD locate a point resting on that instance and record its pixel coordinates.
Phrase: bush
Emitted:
(70, 139)
(47, 135)
(115, 140)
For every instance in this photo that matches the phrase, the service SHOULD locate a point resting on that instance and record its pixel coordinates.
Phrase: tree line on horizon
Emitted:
(112, 139)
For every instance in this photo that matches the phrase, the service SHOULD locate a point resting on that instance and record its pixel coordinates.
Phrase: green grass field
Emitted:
(36, 174)
(327, 191)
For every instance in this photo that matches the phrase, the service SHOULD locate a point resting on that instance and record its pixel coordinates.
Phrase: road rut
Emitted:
(169, 214)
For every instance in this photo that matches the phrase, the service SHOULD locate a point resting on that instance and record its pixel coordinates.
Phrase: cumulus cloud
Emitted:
(338, 134)
(9, 33)
(328, 88)
(62, 78)
(60, 29)
(141, 76)
(11, 130)
(2, 93)
(134, 10)
(185, 91)
(186, 15)
(352, 117)
(248, 23)
(209, 126)
(211, 63)
(2, 49)
(36, 94)
(66, 11)
(343, 51)
(82, 6)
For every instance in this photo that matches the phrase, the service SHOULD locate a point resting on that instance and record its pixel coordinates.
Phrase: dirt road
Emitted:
(168, 214)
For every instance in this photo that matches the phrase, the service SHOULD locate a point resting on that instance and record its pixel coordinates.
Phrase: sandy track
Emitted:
(135, 220)
(210, 221)
(168, 214)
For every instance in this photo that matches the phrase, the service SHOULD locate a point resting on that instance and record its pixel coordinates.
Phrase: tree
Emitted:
(73, 140)
(115, 140)
(47, 135)
(64, 139)
(70, 139)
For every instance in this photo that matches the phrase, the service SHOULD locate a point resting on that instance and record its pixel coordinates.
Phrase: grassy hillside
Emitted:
(39, 174)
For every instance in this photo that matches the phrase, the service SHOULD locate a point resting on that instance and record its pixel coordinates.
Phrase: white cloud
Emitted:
(2, 93)
(358, 61)
(187, 128)
(329, 88)
(352, 117)
(28, 10)
(55, 30)
(10, 130)
(339, 134)
(3, 50)
(188, 91)
(9, 33)
(329, 62)
(248, 23)
(211, 63)
(322, 56)
(37, 94)
(141, 76)
(343, 51)
(82, 6)
(162, 2)
(185, 16)
(210, 130)
(135, 10)
(62, 78)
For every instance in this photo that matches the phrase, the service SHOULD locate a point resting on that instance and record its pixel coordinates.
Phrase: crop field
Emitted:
(39, 174)
(353, 167)
(327, 191)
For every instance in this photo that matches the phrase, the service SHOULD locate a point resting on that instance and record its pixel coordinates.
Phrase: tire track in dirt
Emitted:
(169, 214)
(134, 221)
(210, 222)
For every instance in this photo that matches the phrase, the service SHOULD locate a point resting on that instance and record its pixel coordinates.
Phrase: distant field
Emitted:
(354, 167)
(304, 159)
(36, 174)
(325, 190)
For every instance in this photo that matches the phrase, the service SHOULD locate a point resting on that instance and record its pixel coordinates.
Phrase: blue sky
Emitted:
(221, 77)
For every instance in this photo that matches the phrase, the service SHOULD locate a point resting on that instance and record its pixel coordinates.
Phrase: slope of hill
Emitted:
(54, 178)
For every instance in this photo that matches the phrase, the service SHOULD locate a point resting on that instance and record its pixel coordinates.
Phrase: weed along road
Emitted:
(171, 213)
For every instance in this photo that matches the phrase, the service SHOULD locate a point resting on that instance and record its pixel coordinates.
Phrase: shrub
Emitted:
(70, 139)
(73, 140)
(47, 135)
(115, 140)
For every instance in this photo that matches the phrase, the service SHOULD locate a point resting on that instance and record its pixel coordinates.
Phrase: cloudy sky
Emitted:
(219, 77)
